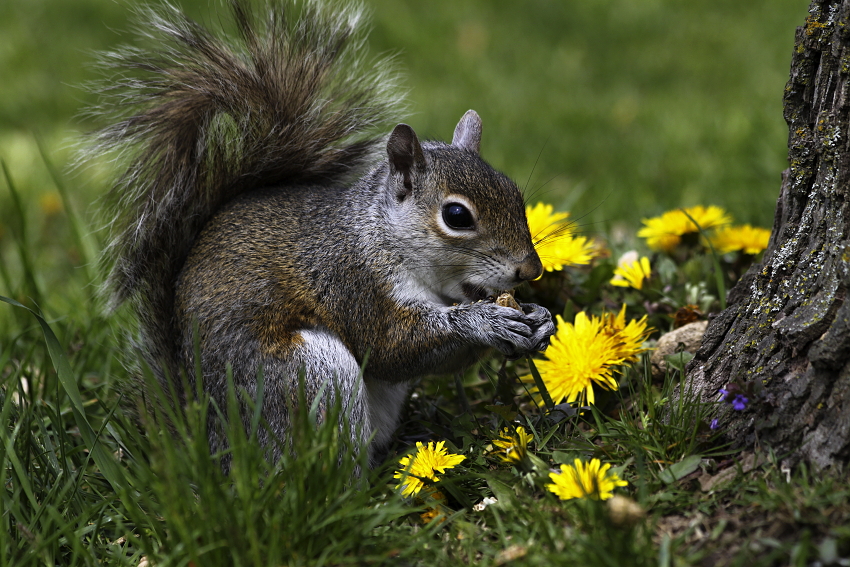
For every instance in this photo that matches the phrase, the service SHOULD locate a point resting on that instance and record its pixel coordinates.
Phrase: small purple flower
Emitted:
(714, 424)
(724, 392)
(740, 402)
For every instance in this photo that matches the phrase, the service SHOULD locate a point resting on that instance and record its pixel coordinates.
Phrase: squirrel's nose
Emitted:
(531, 268)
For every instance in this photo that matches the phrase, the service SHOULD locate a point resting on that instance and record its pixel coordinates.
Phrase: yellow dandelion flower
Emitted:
(585, 480)
(629, 337)
(751, 240)
(631, 273)
(585, 352)
(512, 447)
(553, 239)
(665, 232)
(430, 514)
(436, 509)
(424, 465)
(578, 355)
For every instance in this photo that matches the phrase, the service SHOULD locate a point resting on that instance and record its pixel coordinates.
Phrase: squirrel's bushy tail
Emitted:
(201, 119)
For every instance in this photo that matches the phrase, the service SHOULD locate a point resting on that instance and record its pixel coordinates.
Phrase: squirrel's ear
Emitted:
(405, 155)
(468, 132)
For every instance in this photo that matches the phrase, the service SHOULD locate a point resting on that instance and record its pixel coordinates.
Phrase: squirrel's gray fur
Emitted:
(241, 214)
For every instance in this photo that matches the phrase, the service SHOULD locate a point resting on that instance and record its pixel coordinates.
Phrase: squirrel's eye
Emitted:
(458, 217)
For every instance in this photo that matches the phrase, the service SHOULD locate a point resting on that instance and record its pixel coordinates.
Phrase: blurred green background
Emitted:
(615, 109)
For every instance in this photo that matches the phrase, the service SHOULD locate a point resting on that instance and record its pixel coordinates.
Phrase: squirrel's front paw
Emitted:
(512, 332)
(541, 323)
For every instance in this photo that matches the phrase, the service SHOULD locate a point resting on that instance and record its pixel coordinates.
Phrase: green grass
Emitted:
(84, 485)
(617, 110)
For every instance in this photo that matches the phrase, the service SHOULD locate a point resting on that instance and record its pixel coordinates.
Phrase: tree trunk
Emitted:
(786, 333)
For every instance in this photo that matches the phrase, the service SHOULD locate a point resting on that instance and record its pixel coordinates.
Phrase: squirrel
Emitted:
(258, 225)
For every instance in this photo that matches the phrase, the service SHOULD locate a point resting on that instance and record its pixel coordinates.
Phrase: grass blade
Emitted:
(77, 231)
(718, 272)
(102, 457)
(32, 288)
(541, 386)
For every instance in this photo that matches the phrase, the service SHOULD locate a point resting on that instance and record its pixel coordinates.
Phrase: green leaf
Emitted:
(678, 360)
(503, 493)
(503, 411)
(681, 469)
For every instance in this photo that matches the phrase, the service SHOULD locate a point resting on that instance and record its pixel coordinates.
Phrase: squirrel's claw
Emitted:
(542, 325)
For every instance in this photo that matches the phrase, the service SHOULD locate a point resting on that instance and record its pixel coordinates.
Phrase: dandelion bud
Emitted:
(624, 511)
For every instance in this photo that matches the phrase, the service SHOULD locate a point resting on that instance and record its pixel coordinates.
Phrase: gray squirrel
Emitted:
(256, 209)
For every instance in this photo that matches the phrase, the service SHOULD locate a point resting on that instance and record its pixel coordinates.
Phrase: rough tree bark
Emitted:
(786, 332)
